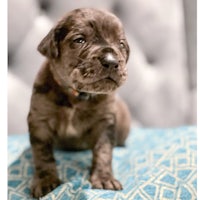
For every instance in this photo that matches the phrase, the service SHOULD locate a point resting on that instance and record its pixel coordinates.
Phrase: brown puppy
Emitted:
(73, 105)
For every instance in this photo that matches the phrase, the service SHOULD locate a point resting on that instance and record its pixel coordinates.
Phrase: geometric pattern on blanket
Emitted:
(155, 164)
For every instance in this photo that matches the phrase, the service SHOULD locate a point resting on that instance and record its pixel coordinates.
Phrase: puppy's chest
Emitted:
(72, 123)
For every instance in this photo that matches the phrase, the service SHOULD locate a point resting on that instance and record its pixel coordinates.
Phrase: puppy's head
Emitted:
(88, 51)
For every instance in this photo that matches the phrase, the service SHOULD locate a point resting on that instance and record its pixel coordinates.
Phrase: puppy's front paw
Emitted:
(105, 182)
(42, 186)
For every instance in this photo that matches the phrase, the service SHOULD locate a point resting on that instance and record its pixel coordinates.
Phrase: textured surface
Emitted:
(155, 164)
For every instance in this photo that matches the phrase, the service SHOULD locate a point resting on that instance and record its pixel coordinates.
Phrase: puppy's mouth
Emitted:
(102, 81)
(112, 80)
(101, 86)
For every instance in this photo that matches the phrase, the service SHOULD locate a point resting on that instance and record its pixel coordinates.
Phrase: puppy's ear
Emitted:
(49, 46)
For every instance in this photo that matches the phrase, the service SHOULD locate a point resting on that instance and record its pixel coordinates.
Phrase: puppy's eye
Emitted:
(122, 44)
(80, 40)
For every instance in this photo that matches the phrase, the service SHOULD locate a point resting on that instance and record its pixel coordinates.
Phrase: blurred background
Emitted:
(161, 87)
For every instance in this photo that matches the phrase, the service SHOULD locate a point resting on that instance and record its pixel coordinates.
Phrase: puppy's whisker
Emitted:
(80, 59)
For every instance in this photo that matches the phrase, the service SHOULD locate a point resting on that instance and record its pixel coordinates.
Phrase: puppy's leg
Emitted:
(123, 122)
(101, 174)
(45, 177)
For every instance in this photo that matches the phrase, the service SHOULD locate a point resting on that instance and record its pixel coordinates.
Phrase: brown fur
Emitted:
(73, 104)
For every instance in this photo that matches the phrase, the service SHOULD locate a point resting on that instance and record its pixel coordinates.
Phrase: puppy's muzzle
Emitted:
(108, 60)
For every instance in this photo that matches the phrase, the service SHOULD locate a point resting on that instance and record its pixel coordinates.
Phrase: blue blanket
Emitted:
(154, 164)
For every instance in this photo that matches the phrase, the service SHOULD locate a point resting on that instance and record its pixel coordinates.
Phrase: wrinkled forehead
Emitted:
(100, 22)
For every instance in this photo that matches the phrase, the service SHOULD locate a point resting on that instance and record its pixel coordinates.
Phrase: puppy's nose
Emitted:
(109, 61)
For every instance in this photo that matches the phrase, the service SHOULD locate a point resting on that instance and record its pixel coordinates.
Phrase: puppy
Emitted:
(73, 104)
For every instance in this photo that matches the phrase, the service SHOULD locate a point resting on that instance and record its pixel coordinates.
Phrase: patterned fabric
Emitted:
(154, 164)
